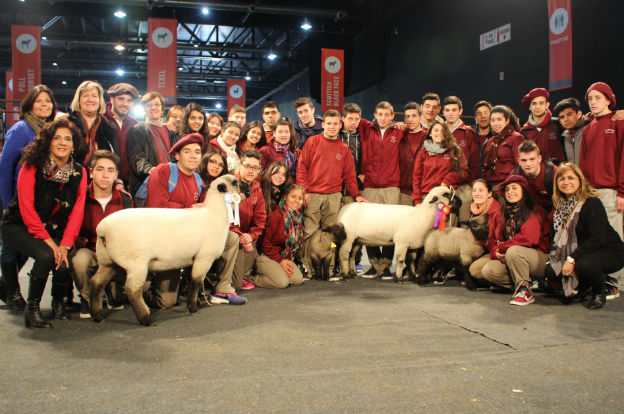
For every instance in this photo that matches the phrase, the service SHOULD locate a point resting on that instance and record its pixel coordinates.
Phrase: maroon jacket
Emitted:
(122, 139)
(380, 157)
(546, 138)
(602, 153)
(274, 236)
(408, 149)
(534, 233)
(430, 171)
(94, 214)
(184, 195)
(252, 213)
(507, 157)
(469, 143)
(538, 190)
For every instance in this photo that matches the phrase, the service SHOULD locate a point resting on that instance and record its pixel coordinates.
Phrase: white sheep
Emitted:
(156, 239)
(385, 225)
(453, 246)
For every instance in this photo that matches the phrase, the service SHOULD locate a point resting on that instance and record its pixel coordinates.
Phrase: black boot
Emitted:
(598, 299)
(59, 308)
(9, 287)
(32, 316)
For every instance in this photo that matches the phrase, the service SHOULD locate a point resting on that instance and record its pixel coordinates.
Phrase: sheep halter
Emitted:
(440, 220)
(232, 200)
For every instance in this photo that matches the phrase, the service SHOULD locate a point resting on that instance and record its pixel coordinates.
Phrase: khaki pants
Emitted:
(84, 265)
(163, 293)
(229, 255)
(271, 275)
(381, 258)
(405, 199)
(323, 209)
(243, 266)
(609, 201)
(346, 199)
(476, 268)
(523, 265)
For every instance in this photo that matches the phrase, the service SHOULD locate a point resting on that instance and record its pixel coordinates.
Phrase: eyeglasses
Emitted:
(153, 105)
(252, 167)
(219, 164)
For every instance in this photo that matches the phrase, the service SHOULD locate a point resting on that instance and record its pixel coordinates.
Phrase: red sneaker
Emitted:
(247, 285)
(522, 297)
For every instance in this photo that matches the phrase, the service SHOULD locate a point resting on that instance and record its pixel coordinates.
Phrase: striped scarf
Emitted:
(511, 226)
(291, 159)
(293, 224)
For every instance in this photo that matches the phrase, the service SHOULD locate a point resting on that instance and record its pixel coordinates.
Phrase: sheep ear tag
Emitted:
(232, 200)
(443, 212)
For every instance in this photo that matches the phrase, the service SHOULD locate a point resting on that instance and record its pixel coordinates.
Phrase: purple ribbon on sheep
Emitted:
(443, 211)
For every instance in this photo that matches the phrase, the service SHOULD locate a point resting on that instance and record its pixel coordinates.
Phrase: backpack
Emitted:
(141, 193)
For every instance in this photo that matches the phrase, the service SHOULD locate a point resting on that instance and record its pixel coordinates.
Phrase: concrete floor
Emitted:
(357, 346)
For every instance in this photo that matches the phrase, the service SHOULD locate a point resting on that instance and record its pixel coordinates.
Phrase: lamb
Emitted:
(384, 225)
(456, 246)
(318, 252)
(156, 239)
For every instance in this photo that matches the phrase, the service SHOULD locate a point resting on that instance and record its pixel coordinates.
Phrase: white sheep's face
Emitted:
(226, 184)
(440, 193)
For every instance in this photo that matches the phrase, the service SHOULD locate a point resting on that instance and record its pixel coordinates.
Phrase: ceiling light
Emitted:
(205, 10)
(120, 14)
(119, 47)
(180, 69)
(138, 111)
(195, 45)
(218, 106)
(119, 72)
(64, 82)
(54, 64)
(247, 78)
(44, 38)
(272, 56)
(306, 25)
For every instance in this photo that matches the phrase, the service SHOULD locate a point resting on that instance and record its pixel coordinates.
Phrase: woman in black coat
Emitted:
(585, 247)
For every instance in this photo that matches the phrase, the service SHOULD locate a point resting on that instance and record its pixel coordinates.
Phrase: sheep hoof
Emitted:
(192, 307)
(97, 317)
(146, 320)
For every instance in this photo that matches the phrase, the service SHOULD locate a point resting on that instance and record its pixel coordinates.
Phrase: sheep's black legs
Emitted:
(103, 275)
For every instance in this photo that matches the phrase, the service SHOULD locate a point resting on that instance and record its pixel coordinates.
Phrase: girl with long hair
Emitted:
(283, 147)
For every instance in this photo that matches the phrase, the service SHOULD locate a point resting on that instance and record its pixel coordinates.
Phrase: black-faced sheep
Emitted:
(455, 246)
(156, 239)
(319, 250)
(385, 225)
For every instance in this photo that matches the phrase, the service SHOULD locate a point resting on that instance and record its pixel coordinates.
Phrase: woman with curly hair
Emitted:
(440, 161)
(194, 121)
(44, 218)
(253, 137)
(274, 181)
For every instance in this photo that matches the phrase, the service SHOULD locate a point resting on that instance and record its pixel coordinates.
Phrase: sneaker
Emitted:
(84, 309)
(203, 300)
(522, 297)
(247, 285)
(359, 269)
(334, 278)
(217, 298)
(386, 275)
(612, 292)
(370, 274)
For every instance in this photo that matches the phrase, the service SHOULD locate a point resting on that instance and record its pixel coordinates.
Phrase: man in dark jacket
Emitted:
(308, 124)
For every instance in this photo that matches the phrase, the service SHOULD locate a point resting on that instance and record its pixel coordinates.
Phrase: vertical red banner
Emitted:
(236, 93)
(560, 38)
(26, 57)
(11, 117)
(162, 57)
(332, 79)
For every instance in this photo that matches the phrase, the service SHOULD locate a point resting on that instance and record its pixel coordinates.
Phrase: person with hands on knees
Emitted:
(585, 246)
(43, 219)
(281, 239)
(519, 244)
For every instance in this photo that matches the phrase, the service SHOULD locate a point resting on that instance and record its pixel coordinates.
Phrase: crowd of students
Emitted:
(553, 188)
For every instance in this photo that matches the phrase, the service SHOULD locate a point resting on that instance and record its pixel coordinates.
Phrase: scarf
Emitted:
(478, 210)
(432, 148)
(90, 134)
(565, 242)
(34, 122)
(233, 160)
(52, 172)
(155, 123)
(491, 152)
(293, 223)
(511, 226)
(540, 125)
(291, 159)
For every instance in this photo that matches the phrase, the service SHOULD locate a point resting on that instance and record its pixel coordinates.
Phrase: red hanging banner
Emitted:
(162, 57)
(11, 117)
(560, 37)
(332, 79)
(26, 56)
(236, 93)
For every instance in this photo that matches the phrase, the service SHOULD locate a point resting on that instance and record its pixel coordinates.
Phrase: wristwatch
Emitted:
(570, 259)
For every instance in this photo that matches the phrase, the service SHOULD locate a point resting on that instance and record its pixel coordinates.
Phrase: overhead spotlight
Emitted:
(44, 38)
(120, 72)
(306, 25)
(64, 82)
(247, 78)
(218, 106)
(119, 47)
(54, 64)
(272, 56)
(120, 14)
(205, 11)
(195, 45)
(180, 69)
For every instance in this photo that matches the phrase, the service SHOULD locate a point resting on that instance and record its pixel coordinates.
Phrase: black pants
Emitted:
(592, 267)
(19, 237)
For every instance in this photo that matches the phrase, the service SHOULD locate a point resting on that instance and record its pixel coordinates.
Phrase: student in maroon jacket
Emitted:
(284, 147)
(482, 110)
(326, 165)
(380, 167)
(413, 137)
(252, 222)
(520, 243)
(500, 155)
(226, 144)
(121, 99)
(440, 161)
(537, 174)
(541, 127)
(467, 140)
(602, 153)
(102, 200)
(483, 202)
(280, 241)
(431, 109)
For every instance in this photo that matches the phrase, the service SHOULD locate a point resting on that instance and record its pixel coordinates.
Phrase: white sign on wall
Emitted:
(495, 37)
